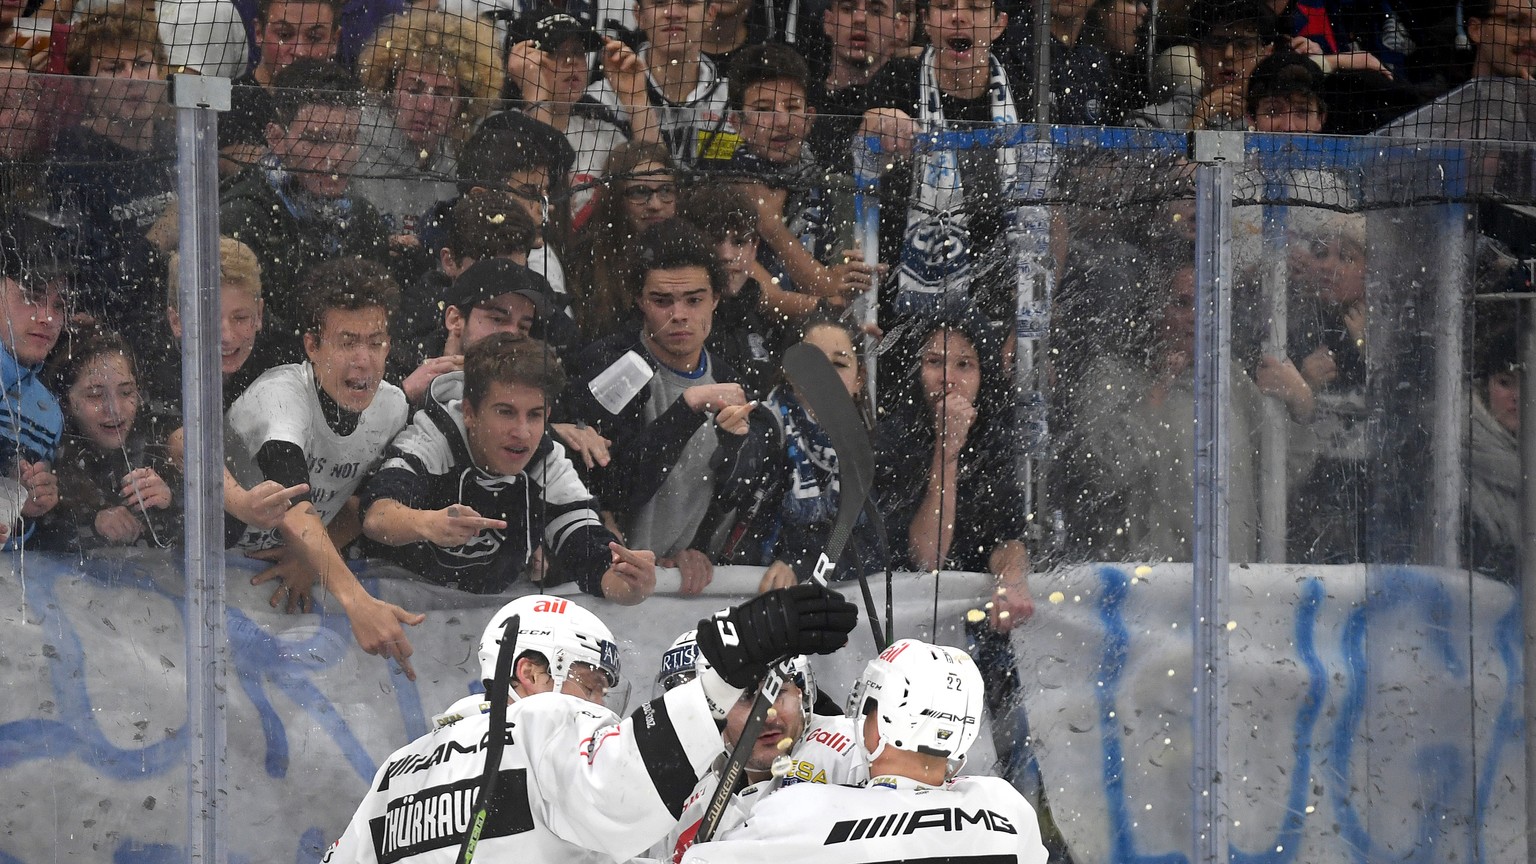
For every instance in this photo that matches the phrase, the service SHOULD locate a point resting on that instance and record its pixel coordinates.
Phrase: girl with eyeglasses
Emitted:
(639, 190)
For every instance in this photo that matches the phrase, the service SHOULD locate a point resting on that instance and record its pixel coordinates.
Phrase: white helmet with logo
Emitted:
(929, 698)
(557, 628)
(683, 662)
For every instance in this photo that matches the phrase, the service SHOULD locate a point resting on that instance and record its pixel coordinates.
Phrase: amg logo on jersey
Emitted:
(440, 754)
(898, 824)
(437, 817)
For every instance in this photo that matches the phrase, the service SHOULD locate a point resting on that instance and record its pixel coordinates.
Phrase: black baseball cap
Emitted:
(490, 278)
(34, 253)
(549, 28)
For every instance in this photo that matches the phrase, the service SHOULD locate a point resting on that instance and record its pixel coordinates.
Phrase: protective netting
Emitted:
(1020, 300)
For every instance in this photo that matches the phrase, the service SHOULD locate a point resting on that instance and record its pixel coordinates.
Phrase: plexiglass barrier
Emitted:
(1085, 356)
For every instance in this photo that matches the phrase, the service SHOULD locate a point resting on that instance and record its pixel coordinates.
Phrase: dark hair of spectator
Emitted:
(1257, 15)
(346, 284)
(313, 82)
(93, 37)
(82, 347)
(818, 320)
(1496, 349)
(719, 209)
(1284, 73)
(265, 6)
(674, 244)
(35, 254)
(1482, 10)
(507, 358)
(994, 407)
(598, 270)
(756, 64)
(486, 223)
(494, 153)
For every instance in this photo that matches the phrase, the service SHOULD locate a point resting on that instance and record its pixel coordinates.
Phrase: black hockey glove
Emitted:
(740, 643)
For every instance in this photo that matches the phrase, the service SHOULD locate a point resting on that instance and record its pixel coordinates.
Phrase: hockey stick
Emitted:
(496, 738)
(855, 490)
(809, 370)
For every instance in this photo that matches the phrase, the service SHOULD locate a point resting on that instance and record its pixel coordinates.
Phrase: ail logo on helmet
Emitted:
(894, 651)
(555, 606)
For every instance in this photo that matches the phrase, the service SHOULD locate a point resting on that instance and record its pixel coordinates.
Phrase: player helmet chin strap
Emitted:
(952, 767)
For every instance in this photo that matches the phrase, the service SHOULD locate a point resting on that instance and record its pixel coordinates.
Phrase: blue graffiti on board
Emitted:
(260, 663)
(1444, 767)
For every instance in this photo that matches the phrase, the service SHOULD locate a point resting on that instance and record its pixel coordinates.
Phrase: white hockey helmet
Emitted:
(683, 661)
(557, 628)
(929, 698)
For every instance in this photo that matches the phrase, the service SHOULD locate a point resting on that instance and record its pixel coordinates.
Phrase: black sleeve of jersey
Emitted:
(583, 554)
(284, 462)
(665, 758)
(397, 484)
(744, 463)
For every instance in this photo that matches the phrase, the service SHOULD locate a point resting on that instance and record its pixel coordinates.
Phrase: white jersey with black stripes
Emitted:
(969, 820)
(827, 752)
(578, 784)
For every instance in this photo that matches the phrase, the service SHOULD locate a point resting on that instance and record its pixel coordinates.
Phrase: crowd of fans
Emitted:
(504, 290)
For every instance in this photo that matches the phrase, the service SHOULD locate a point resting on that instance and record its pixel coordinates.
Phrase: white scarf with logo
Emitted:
(936, 251)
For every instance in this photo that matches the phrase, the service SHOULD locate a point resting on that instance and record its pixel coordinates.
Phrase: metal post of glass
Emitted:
(197, 101)
(1274, 440)
(1042, 61)
(1450, 418)
(1528, 549)
(1215, 155)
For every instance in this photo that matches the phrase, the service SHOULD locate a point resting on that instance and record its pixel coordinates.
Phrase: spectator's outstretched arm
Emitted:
(632, 577)
(375, 624)
(1011, 601)
(394, 524)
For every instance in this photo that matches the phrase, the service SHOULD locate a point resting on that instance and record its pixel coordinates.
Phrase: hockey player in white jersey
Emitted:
(576, 783)
(919, 706)
(823, 747)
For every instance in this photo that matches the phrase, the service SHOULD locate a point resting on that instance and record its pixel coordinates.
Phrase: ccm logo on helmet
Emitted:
(558, 607)
(898, 824)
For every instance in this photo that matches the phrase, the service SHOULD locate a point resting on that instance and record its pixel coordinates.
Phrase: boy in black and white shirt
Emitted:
(325, 423)
(686, 91)
(475, 483)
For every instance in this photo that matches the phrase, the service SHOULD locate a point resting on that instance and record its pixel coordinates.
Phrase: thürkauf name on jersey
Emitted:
(898, 824)
(439, 816)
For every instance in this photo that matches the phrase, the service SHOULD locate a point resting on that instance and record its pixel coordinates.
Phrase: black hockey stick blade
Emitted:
(767, 694)
(809, 370)
(812, 374)
(817, 382)
(496, 738)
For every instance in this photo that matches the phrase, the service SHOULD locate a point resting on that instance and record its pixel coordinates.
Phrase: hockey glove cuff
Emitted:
(719, 694)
